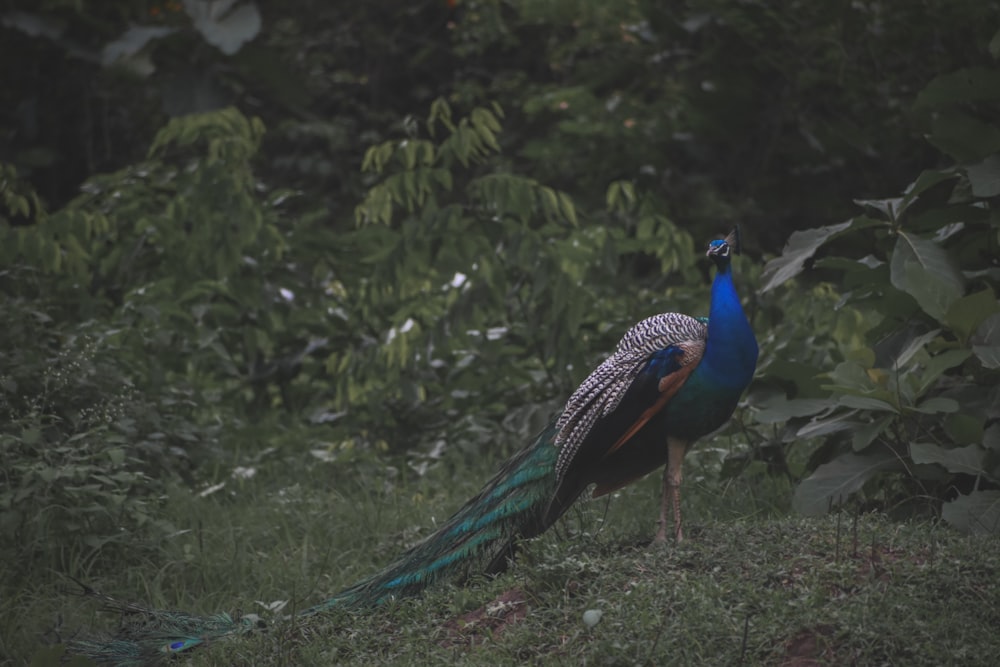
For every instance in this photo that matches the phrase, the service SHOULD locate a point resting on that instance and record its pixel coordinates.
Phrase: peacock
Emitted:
(671, 380)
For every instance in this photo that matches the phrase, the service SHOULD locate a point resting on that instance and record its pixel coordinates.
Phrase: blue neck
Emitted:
(731, 349)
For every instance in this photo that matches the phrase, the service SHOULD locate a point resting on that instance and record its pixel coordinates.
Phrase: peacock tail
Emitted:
(479, 537)
(671, 380)
(147, 635)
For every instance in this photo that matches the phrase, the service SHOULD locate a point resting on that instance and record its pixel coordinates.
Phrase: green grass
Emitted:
(751, 585)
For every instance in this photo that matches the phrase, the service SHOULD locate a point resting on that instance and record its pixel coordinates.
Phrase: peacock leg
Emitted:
(661, 534)
(672, 478)
(672, 481)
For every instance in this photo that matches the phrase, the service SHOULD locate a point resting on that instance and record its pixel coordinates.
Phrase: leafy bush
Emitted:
(474, 292)
(919, 403)
(77, 445)
(112, 375)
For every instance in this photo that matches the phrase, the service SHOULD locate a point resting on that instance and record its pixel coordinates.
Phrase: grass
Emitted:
(751, 585)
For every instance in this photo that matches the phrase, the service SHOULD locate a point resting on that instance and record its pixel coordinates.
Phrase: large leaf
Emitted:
(925, 271)
(956, 131)
(914, 345)
(963, 136)
(939, 364)
(130, 42)
(991, 438)
(938, 404)
(223, 25)
(978, 512)
(986, 342)
(866, 403)
(833, 482)
(964, 428)
(849, 376)
(967, 313)
(890, 208)
(36, 25)
(861, 388)
(818, 427)
(783, 409)
(984, 177)
(973, 84)
(925, 181)
(967, 460)
(800, 247)
(865, 434)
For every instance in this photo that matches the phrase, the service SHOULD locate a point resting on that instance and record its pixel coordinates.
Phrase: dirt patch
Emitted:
(812, 647)
(488, 621)
(475, 627)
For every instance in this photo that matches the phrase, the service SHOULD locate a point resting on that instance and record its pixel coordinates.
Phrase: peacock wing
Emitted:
(650, 365)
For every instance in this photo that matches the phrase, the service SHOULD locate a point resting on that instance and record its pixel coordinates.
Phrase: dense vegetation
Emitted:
(382, 241)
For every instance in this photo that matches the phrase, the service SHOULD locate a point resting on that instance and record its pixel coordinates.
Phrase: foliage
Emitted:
(920, 399)
(475, 280)
(131, 285)
(460, 285)
(84, 455)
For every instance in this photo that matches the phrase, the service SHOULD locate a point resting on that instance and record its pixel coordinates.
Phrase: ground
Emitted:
(751, 585)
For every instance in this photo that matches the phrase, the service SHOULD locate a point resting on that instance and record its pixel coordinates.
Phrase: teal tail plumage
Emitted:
(147, 636)
(479, 537)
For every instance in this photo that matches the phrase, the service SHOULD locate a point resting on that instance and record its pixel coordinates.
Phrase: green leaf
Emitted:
(891, 208)
(833, 482)
(966, 314)
(620, 196)
(851, 376)
(569, 211)
(938, 404)
(916, 344)
(963, 136)
(409, 153)
(977, 512)
(866, 403)
(865, 434)
(986, 342)
(925, 271)
(991, 437)
(985, 177)
(939, 364)
(550, 203)
(972, 84)
(964, 428)
(966, 460)
(925, 181)
(818, 427)
(801, 374)
(783, 410)
(800, 246)
(613, 195)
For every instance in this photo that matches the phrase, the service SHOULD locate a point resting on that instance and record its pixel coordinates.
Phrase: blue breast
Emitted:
(710, 395)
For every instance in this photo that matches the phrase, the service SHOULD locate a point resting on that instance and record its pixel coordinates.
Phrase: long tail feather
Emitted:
(148, 636)
(479, 537)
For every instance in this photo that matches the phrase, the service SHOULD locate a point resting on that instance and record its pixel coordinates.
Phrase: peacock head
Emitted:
(721, 249)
